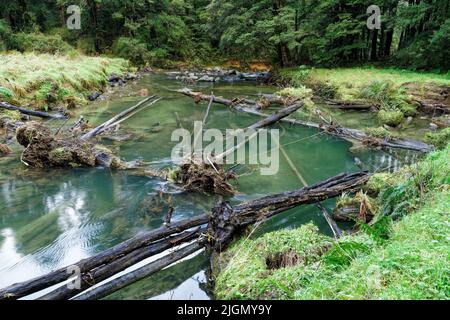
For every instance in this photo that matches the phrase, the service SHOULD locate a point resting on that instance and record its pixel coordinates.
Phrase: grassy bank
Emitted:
(402, 254)
(397, 95)
(43, 81)
(350, 81)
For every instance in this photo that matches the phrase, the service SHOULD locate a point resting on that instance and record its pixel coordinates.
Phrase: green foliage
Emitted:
(379, 181)
(380, 132)
(132, 49)
(389, 259)
(439, 139)
(5, 93)
(391, 118)
(41, 43)
(342, 254)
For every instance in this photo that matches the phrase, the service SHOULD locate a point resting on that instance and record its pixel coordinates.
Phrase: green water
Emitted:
(53, 218)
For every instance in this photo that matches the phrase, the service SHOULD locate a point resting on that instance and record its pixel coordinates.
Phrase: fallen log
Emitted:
(337, 232)
(33, 113)
(226, 220)
(139, 274)
(106, 271)
(22, 289)
(333, 129)
(347, 105)
(271, 119)
(118, 118)
(208, 176)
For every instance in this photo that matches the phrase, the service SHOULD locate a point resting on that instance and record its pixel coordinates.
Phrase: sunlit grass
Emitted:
(411, 263)
(28, 76)
(349, 81)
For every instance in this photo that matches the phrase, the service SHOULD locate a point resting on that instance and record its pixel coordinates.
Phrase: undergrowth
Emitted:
(402, 254)
(44, 80)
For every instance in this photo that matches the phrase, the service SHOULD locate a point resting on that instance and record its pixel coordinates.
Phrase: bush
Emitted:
(384, 93)
(380, 132)
(439, 139)
(133, 50)
(41, 43)
(6, 93)
(5, 36)
(391, 118)
(325, 90)
(408, 109)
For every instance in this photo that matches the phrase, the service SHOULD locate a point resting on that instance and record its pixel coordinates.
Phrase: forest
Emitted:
(224, 150)
(413, 34)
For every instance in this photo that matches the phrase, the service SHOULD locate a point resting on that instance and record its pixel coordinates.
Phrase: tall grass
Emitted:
(30, 78)
(403, 254)
(349, 81)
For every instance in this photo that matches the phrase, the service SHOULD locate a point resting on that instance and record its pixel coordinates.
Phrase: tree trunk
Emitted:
(373, 50)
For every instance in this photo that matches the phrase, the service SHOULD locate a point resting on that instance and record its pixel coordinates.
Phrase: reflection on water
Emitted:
(52, 218)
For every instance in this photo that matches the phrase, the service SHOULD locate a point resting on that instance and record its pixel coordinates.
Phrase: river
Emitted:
(52, 218)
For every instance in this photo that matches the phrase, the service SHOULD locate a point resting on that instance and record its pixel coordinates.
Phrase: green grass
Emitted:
(41, 79)
(392, 258)
(350, 81)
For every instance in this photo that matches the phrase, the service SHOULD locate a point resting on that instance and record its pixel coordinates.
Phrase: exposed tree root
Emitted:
(43, 149)
(196, 176)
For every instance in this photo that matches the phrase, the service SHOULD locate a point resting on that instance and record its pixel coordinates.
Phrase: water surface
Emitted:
(53, 218)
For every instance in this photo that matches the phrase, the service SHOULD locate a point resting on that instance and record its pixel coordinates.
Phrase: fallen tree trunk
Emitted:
(117, 119)
(224, 222)
(33, 113)
(202, 173)
(99, 274)
(347, 105)
(139, 274)
(22, 289)
(347, 133)
(277, 116)
(271, 119)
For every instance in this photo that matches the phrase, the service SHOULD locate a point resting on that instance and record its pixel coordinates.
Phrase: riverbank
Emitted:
(47, 81)
(401, 254)
(388, 102)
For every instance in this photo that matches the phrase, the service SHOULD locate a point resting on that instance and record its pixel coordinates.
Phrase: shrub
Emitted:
(408, 109)
(6, 93)
(391, 118)
(41, 43)
(380, 132)
(439, 139)
(133, 50)
(325, 90)
(5, 35)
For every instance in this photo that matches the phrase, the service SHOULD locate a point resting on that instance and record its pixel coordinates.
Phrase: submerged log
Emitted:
(333, 129)
(33, 113)
(101, 273)
(348, 105)
(139, 274)
(118, 118)
(22, 289)
(227, 220)
(223, 225)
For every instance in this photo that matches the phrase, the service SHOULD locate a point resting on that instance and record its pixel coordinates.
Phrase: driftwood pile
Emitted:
(214, 230)
(210, 177)
(242, 105)
(43, 148)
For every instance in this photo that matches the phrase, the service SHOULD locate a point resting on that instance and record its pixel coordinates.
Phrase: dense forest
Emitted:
(314, 160)
(283, 32)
